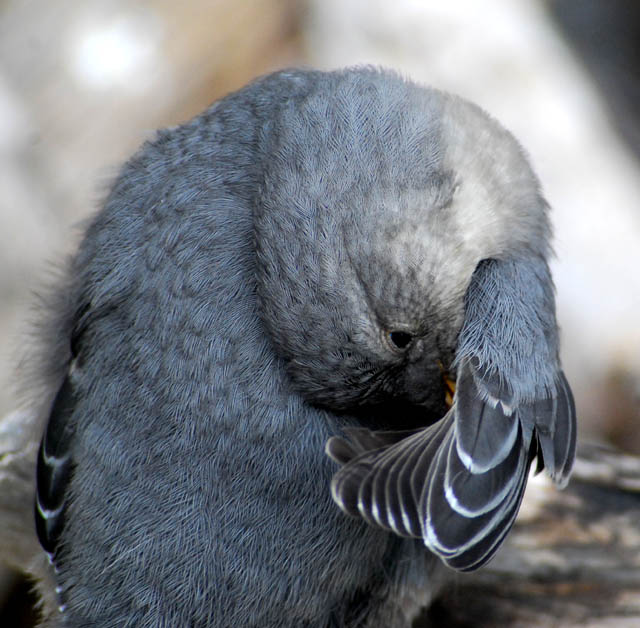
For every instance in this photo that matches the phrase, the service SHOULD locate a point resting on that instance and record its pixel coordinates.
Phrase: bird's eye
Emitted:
(400, 339)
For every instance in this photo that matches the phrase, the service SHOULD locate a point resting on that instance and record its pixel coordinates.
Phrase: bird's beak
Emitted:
(449, 386)
(450, 390)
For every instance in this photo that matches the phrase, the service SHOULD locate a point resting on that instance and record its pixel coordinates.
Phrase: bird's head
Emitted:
(378, 201)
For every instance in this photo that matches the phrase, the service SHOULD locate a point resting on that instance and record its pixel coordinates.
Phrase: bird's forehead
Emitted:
(412, 260)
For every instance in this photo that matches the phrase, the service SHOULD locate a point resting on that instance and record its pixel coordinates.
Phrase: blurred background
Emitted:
(84, 83)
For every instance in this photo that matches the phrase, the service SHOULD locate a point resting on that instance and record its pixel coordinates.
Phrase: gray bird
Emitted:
(303, 266)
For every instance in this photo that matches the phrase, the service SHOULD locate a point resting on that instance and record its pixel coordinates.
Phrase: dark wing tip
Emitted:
(467, 515)
(568, 419)
(482, 552)
(53, 469)
(555, 425)
(486, 426)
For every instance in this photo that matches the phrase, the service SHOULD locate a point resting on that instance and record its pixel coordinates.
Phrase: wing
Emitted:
(458, 484)
(54, 464)
(53, 469)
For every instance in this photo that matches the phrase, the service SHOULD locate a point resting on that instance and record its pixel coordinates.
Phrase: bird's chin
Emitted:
(400, 414)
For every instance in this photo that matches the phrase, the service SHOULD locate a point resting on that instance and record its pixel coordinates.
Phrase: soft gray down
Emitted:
(298, 269)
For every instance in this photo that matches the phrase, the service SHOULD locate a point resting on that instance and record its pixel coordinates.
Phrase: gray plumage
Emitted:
(296, 268)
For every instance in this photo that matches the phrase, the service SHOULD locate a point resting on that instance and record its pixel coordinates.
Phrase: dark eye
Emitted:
(400, 339)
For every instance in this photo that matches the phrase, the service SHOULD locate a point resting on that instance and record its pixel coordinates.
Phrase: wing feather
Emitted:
(458, 483)
(54, 468)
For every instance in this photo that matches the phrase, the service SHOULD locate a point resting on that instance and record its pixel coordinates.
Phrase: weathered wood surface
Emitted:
(18, 452)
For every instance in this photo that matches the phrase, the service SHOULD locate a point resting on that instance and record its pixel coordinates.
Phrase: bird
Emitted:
(301, 363)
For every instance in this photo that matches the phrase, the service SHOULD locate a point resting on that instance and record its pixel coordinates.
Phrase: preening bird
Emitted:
(301, 267)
